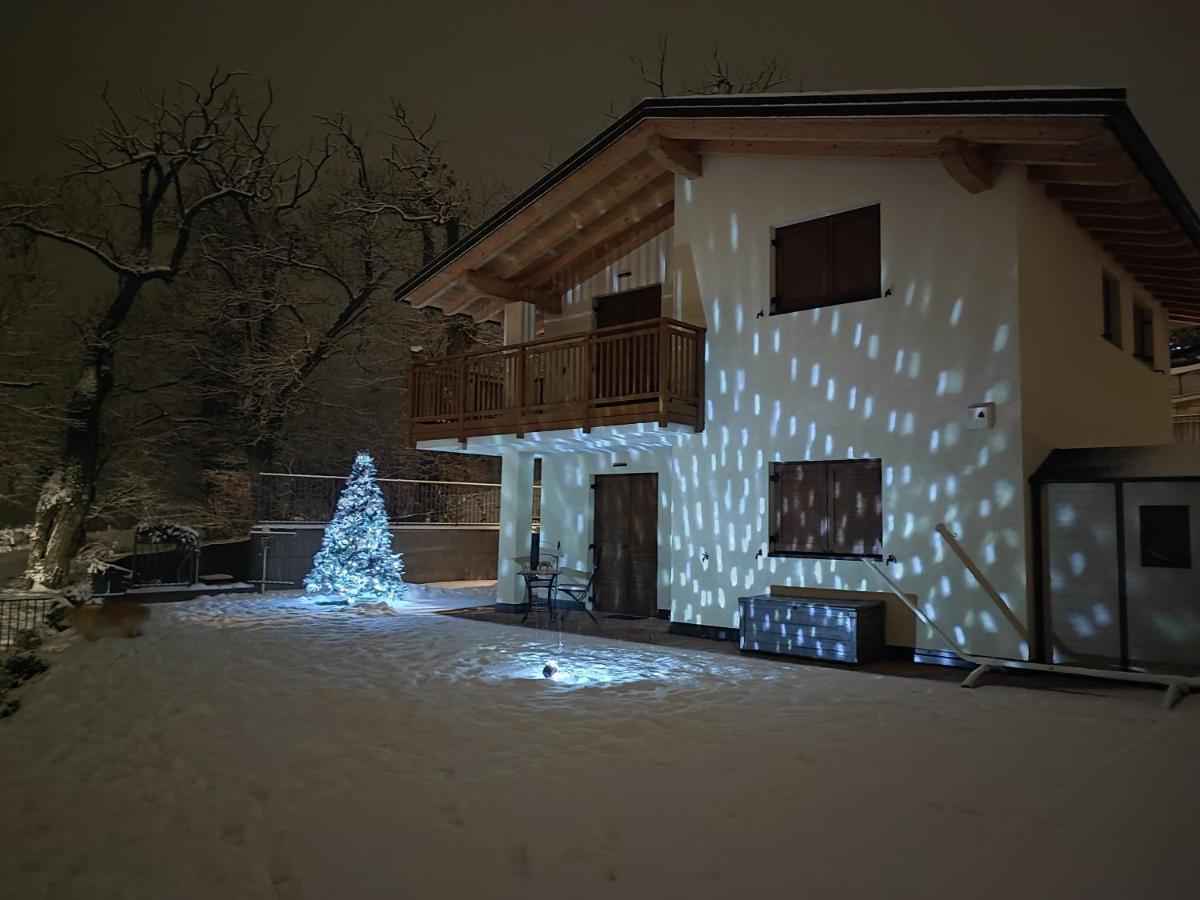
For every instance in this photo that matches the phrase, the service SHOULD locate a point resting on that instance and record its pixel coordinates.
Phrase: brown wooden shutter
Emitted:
(855, 255)
(799, 501)
(856, 507)
(802, 257)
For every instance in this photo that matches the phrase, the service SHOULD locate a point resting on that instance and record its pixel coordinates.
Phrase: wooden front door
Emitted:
(626, 544)
(629, 306)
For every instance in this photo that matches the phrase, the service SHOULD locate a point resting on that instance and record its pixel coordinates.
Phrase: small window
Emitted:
(1143, 333)
(827, 509)
(1166, 537)
(824, 262)
(1112, 309)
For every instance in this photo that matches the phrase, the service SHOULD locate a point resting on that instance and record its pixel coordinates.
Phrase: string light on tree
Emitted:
(356, 561)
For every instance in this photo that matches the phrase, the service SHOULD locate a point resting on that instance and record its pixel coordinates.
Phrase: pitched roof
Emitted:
(617, 191)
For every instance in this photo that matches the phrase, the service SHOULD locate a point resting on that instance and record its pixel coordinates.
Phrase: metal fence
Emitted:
(312, 499)
(18, 614)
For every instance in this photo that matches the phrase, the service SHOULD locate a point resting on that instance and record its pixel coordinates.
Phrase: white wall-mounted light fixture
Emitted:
(980, 417)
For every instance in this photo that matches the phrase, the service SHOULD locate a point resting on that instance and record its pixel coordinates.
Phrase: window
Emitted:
(827, 261)
(1166, 537)
(1112, 309)
(1143, 333)
(827, 508)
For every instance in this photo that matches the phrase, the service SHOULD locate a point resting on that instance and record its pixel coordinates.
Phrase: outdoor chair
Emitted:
(580, 593)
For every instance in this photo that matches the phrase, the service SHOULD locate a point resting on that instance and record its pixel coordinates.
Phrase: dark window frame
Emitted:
(1179, 515)
(1110, 289)
(830, 467)
(838, 265)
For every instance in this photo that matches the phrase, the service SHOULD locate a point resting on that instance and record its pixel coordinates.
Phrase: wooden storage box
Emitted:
(840, 626)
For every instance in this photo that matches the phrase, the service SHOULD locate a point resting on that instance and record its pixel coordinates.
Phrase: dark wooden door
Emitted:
(629, 306)
(626, 544)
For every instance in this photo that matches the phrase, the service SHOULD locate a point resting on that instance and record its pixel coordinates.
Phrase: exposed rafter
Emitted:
(599, 257)
(674, 156)
(1122, 172)
(511, 292)
(967, 163)
(488, 308)
(604, 229)
(579, 215)
(585, 177)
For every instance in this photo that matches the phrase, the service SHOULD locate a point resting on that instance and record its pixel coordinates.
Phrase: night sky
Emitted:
(513, 82)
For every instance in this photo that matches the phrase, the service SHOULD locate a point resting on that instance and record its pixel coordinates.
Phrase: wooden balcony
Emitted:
(649, 371)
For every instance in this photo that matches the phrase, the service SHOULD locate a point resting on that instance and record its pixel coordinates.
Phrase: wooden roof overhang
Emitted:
(617, 192)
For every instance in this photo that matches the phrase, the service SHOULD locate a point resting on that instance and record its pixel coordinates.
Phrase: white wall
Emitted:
(1079, 390)
(889, 378)
(568, 502)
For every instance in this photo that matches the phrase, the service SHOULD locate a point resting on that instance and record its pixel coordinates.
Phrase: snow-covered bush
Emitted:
(166, 533)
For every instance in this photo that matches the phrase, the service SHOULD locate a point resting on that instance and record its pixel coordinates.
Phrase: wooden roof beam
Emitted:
(1121, 172)
(967, 163)
(1137, 192)
(632, 238)
(606, 228)
(489, 285)
(674, 156)
(486, 310)
(1158, 225)
(1140, 265)
(925, 129)
(1150, 209)
(1184, 254)
(610, 193)
(1127, 239)
(1173, 280)
(462, 299)
(587, 176)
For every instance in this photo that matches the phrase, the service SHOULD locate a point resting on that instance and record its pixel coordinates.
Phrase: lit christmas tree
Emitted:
(356, 559)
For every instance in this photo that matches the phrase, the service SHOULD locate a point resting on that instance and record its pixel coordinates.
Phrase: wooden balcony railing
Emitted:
(651, 371)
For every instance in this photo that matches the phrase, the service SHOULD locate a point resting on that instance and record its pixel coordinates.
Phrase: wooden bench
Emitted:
(817, 623)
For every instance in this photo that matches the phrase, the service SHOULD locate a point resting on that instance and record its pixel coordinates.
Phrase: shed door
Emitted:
(629, 306)
(626, 544)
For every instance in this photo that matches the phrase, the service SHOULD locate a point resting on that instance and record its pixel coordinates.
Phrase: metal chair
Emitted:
(580, 593)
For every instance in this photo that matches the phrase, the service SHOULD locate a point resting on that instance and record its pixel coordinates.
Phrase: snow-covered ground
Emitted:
(250, 747)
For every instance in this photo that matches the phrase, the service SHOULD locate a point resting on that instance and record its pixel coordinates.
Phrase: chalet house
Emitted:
(757, 340)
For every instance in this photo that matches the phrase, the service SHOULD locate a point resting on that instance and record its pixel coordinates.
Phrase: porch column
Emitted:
(516, 511)
(519, 322)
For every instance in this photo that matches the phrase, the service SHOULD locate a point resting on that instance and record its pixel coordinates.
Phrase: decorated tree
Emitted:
(356, 559)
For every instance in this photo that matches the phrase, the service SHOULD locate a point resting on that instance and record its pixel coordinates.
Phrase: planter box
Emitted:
(838, 629)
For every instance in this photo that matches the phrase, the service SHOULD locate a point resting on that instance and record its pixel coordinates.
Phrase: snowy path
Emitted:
(250, 747)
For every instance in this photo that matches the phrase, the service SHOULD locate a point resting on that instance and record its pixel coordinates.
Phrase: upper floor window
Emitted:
(827, 508)
(1111, 294)
(1143, 333)
(827, 261)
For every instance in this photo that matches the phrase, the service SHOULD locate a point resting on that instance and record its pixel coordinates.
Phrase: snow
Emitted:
(249, 746)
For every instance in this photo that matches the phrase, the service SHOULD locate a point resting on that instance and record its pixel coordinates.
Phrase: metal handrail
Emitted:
(1177, 686)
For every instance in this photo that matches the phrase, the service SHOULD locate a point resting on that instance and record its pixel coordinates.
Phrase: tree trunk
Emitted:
(66, 496)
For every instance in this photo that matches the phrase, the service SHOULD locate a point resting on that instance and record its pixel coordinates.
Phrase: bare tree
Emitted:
(301, 346)
(150, 176)
(720, 75)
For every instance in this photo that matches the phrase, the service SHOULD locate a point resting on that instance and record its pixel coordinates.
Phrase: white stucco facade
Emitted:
(989, 298)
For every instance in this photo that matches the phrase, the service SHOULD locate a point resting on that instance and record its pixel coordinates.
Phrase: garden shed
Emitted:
(1119, 579)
